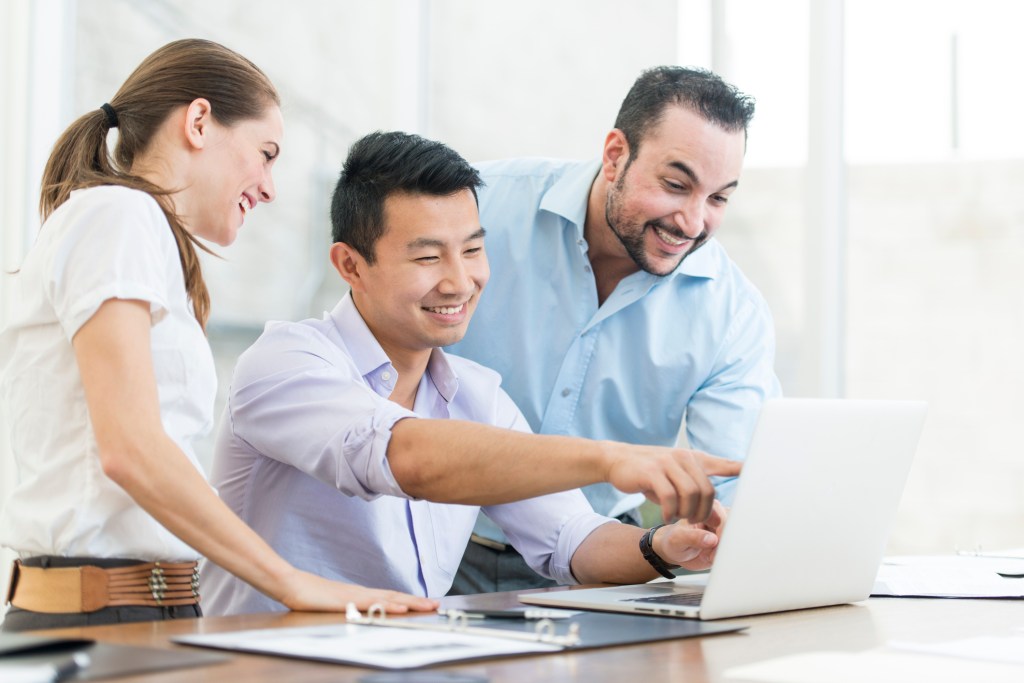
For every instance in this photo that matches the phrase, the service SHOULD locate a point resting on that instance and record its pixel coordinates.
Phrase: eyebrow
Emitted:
(424, 242)
(689, 172)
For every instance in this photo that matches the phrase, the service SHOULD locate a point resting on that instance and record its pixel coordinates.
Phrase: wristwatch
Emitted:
(647, 550)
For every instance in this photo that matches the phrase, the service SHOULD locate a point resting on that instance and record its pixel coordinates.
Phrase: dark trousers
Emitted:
(488, 570)
(23, 620)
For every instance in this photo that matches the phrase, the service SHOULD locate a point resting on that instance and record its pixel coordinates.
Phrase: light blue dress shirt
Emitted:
(301, 457)
(697, 344)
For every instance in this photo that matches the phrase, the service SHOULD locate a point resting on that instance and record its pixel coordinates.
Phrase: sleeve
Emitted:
(545, 530)
(722, 414)
(117, 245)
(298, 399)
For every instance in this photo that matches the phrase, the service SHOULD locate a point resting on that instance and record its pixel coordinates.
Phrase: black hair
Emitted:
(698, 89)
(381, 164)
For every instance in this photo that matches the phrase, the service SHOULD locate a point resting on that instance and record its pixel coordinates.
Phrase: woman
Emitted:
(107, 374)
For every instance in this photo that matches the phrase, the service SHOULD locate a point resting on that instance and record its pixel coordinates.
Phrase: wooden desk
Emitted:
(698, 660)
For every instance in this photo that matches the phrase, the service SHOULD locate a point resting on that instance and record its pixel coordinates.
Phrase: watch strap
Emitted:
(647, 550)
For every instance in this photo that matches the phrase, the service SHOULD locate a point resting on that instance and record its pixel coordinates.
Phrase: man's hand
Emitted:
(674, 478)
(691, 546)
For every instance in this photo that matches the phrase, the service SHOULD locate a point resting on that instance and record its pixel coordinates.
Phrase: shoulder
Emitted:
(305, 336)
(114, 199)
(286, 346)
(536, 170)
(112, 212)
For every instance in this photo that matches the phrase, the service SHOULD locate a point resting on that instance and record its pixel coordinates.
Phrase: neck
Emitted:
(159, 167)
(410, 364)
(608, 258)
(410, 369)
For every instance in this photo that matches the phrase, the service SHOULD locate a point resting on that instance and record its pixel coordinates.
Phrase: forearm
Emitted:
(452, 461)
(611, 554)
(166, 484)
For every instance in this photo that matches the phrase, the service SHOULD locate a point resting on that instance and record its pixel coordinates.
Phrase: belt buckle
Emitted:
(158, 584)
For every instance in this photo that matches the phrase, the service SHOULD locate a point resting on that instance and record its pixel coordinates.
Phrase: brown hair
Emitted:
(171, 77)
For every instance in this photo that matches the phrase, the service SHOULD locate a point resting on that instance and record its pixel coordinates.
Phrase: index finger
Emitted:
(720, 467)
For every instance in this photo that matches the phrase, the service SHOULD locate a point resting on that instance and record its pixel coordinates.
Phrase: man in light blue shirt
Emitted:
(612, 313)
(361, 451)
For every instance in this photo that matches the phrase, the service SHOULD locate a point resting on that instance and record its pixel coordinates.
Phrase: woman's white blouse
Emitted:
(102, 243)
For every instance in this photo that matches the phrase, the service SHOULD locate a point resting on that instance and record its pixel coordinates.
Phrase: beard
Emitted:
(631, 234)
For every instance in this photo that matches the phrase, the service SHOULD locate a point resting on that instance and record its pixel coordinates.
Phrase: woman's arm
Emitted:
(113, 354)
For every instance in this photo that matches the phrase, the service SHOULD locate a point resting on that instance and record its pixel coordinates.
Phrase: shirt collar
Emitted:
(570, 194)
(362, 346)
(369, 357)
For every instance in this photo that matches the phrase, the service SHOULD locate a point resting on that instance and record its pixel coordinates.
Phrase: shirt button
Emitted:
(580, 242)
(565, 392)
(586, 268)
(385, 375)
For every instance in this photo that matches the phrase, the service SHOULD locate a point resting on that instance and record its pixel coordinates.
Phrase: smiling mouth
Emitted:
(669, 238)
(446, 310)
(245, 205)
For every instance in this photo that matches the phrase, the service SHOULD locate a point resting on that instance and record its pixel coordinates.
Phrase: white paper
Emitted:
(1008, 649)
(950, 576)
(35, 673)
(377, 646)
(876, 666)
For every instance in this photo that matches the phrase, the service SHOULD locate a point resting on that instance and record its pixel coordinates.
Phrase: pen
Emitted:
(509, 613)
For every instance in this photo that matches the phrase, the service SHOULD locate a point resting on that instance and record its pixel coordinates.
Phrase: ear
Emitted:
(198, 117)
(615, 155)
(350, 265)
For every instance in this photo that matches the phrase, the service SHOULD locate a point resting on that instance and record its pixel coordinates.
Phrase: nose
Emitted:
(266, 188)
(458, 279)
(690, 218)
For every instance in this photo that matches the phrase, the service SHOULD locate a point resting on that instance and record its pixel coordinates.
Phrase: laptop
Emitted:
(810, 519)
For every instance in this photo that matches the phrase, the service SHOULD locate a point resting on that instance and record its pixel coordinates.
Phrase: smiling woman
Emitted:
(106, 370)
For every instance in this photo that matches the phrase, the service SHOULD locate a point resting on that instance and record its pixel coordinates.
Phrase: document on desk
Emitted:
(374, 646)
(1007, 649)
(950, 576)
(877, 666)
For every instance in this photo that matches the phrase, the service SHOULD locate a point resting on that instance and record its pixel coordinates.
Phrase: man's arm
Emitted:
(452, 461)
(742, 379)
(611, 554)
(297, 398)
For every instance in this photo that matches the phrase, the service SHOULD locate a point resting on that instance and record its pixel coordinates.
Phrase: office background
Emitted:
(880, 210)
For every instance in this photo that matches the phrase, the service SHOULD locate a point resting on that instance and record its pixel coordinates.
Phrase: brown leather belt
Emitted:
(63, 590)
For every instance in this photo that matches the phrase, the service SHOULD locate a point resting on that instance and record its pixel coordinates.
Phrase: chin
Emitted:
(226, 238)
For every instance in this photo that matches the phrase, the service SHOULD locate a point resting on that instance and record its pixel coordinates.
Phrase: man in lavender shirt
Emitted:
(361, 451)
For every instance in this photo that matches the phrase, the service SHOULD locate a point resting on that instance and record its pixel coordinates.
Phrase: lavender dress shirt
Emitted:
(301, 456)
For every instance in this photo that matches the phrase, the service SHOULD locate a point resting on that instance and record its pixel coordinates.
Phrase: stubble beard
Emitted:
(633, 241)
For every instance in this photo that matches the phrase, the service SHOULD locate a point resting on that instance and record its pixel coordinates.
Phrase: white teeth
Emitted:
(446, 310)
(674, 241)
(243, 203)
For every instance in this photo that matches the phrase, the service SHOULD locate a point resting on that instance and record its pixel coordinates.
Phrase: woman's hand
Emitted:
(310, 593)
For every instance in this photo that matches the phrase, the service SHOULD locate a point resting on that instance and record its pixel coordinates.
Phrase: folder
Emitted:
(20, 651)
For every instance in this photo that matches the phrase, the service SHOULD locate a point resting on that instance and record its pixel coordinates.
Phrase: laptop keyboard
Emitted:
(673, 599)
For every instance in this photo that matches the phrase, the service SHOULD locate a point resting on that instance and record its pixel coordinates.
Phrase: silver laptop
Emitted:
(810, 519)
